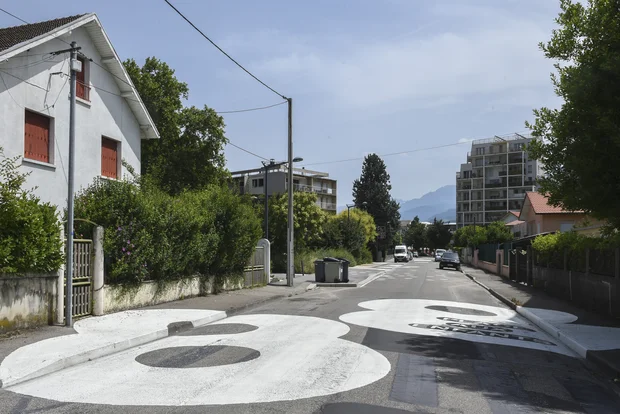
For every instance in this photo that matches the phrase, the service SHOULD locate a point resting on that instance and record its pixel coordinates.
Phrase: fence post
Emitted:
(98, 292)
(60, 285)
(266, 245)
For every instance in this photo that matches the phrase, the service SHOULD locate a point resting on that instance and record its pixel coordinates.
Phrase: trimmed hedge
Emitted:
(150, 235)
(29, 229)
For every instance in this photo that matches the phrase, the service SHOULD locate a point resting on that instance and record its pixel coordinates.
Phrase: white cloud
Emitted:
(491, 56)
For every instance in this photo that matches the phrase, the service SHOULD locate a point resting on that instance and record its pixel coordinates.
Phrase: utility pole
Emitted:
(290, 265)
(75, 66)
(266, 212)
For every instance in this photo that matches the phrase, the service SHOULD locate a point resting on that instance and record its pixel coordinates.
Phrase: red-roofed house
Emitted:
(538, 216)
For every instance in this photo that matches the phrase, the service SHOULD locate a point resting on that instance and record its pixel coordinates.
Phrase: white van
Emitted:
(400, 254)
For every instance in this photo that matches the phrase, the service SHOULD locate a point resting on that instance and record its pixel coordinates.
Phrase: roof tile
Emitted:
(11, 36)
(540, 204)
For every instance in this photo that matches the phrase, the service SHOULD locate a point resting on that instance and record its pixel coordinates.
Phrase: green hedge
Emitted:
(29, 229)
(150, 235)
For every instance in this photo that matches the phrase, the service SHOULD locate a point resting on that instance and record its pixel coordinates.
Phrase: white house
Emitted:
(110, 119)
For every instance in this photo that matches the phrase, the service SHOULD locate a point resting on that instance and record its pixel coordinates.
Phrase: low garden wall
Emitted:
(117, 298)
(27, 301)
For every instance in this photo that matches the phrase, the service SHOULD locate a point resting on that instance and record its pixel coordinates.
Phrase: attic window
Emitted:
(82, 90)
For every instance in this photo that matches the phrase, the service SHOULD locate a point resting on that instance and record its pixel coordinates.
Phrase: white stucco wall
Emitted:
(107, 115)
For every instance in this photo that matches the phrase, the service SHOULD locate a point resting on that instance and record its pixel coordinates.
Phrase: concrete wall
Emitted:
(27, 301)
(489, 267)
(106, 115)
(116, 298)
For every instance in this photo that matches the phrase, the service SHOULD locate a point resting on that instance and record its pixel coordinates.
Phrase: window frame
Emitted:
(50, 139)
(118, 158)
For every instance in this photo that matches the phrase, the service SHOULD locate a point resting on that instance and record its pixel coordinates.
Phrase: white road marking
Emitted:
(306, 351)
(491, 325)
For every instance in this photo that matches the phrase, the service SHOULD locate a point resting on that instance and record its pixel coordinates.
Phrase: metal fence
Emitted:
(487, 252)
(82, 277)
(590, 279)
(254, 272)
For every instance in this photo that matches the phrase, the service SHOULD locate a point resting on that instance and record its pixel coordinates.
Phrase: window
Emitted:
(564, 227)
(109, 158)
(37, 137)
(82, 90)
(529, 169)
(258, 182)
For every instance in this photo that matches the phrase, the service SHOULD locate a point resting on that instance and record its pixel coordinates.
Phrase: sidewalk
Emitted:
(592, 336)
(32, 353)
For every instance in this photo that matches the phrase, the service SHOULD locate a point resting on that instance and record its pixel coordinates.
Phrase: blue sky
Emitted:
(365, 76)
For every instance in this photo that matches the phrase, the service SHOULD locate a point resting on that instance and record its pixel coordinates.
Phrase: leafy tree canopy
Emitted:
(365, 219)
(190, 153)
(438, 235)
(579, 143)
(415, 235)
(371, 192)
(308, 223)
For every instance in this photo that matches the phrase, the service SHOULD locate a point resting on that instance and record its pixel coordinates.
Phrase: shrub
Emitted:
(151, 235)
(309, 257)
(29, 229)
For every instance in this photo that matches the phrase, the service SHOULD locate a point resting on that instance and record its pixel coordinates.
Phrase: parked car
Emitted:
(450, 259)
(415, 254)
(438, 254)
(400, 254)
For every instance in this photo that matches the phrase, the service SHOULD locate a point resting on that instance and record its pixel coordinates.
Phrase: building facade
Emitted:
(110, 118)
(253, 182)
(495, 179)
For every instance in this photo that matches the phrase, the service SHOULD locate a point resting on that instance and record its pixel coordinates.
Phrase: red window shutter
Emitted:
(81, 90)
(37, 137)
(109, 152)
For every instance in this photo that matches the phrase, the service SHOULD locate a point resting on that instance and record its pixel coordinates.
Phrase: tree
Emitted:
(341, 232)
(470, 236)
(308, 222)
(371, 192)
(438, 235)
(365, 219)
(579, 144)
(415, 235)
(190, 151)
(498, 233)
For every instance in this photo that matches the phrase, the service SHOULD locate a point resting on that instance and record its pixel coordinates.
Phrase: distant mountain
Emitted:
(439, 203)
(447, 216)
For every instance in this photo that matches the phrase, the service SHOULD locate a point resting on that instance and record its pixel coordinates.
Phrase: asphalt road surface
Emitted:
(417, 340)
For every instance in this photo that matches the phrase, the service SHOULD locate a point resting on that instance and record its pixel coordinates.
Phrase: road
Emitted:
(416, 340)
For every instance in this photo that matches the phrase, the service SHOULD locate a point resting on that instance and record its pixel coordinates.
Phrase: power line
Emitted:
(225, 54)
(249, 152)
(24, 80)
(12, 15)
(393, 153)
(252, 109)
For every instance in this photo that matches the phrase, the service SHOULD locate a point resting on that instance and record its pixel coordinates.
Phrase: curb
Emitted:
(355, 285)
(551, 330)
(112, 348)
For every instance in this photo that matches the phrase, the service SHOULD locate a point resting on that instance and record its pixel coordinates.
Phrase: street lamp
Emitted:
(270, 165)
(364, 204)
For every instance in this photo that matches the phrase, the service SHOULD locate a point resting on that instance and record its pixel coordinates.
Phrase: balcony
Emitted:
(312, 189)
(465, 187)
(515, 160)
(327, 206)
(495, 183)
(515, 171)
(517, 196)
(502, 173)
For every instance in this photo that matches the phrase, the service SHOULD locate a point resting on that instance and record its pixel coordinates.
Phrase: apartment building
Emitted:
(253, 182)
(495, 179)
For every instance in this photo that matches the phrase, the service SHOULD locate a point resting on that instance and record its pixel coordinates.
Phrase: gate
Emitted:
(82, 278)
(254, 272)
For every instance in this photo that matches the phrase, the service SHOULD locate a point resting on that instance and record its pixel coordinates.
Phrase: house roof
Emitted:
(540, 204)
(18, 39)
(516, 213)
(11, 36)
(514, 223)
